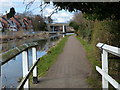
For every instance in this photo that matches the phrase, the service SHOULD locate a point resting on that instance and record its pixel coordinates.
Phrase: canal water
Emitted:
(12, 70)
(14, 43)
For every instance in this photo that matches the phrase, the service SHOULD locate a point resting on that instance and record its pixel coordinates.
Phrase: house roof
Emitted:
(26, 21)
(4, 20)
(16, 21)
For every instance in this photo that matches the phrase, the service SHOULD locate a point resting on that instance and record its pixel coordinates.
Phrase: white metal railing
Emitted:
(104, 71)
(26, 71)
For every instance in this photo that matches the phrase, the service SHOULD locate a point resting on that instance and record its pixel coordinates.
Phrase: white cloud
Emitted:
(5, 5)
(61, 20)
(49, 10)
(60, 16)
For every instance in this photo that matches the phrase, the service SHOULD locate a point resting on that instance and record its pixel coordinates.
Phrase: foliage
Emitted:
(85, 30)
(106, 32)
(11, 13)
(74, 25)
(92, 32)
(82, 26)
(49, 20)
(98, 10)
(38, 23)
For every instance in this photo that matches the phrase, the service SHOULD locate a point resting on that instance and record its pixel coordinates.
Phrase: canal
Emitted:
(12, 70)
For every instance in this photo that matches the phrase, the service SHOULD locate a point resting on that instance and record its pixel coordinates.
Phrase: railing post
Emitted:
(25, 67)
(63, 29)
(104, 68)
(34, 58)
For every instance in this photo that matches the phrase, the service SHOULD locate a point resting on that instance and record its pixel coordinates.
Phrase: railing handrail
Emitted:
(15, 51)
(108, 77)
(104, 71)
(19, 87)
(110, 49)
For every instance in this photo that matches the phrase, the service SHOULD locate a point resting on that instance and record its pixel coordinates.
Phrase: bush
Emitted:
(105, 32)
(75, 26)
(85, 30)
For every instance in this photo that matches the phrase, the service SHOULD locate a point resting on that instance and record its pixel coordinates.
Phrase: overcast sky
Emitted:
(60, 17)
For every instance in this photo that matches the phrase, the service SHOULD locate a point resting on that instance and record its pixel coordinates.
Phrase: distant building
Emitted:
(13, 26)
(5, 22)
(25, 21)
(17, 21)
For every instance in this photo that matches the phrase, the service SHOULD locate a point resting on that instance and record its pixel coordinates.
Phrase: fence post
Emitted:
(34, 59)
(104, 68)
(25, 67)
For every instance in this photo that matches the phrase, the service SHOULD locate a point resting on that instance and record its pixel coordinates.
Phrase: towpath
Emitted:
(70, 70)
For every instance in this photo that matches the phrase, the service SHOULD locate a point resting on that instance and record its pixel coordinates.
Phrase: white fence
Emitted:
(104, 71)
(26, 71)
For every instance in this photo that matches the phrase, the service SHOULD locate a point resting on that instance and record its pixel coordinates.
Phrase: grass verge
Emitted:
(48, 60)
(94, 62)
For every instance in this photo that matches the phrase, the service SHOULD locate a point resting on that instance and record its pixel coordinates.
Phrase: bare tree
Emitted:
(42, 7)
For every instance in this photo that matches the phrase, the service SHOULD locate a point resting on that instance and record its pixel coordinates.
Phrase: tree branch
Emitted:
(55, 11)
(29, 5)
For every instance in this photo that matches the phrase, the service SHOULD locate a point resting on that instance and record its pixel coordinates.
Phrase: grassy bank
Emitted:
(48, 60)
(94, 62)
(95, 79)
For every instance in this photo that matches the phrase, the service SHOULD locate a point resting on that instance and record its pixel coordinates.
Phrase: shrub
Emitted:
(85, 30)
(105, 32)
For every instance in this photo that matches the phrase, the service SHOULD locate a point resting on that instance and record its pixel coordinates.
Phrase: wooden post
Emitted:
(34, 58)
(104, 68)
(25, 67)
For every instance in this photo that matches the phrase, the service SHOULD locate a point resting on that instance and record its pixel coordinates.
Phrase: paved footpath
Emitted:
(70, 70)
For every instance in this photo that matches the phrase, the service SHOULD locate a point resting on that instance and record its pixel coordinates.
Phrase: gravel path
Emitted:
(70, 70)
